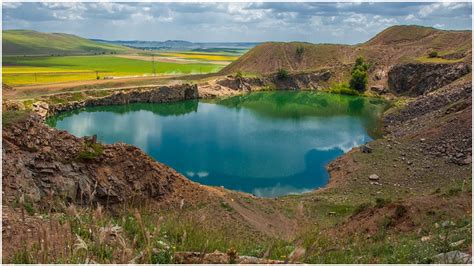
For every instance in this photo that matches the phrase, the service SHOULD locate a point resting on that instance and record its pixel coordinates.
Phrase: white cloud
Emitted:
(261, 21)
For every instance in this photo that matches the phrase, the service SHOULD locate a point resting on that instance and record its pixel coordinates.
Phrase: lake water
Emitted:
(265, 143)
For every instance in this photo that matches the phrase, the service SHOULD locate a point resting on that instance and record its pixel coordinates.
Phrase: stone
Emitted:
(366, 149)
(447, 224)
(426, 238)
(457, 243)
(374, 177)
(453, 257)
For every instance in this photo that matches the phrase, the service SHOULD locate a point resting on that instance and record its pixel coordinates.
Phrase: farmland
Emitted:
(51, 69)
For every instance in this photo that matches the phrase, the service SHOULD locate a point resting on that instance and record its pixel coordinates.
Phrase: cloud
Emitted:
(242, 21)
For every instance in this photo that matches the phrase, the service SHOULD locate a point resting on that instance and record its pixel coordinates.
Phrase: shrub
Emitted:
(342, 88)
(359, 78)
(282, 74)
(299, 51)
(433, 54)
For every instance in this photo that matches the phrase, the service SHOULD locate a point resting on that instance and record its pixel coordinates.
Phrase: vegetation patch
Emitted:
(10, 117)
(90, 151)
(343, 88)
(282, 74)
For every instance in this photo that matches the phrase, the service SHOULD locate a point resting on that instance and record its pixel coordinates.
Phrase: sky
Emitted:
(347, 23)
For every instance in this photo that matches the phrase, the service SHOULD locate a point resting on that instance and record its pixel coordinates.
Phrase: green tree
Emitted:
(359, 78)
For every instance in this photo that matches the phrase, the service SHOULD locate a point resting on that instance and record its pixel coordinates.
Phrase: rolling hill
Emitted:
(27, 42)
(393, 45)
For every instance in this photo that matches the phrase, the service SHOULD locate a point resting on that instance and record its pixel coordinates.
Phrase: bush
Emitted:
(342, 88)
(433, 54)
(299, 51)
(282, 74)
(359, 78)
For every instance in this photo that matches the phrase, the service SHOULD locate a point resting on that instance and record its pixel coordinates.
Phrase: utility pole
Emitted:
(153, 64)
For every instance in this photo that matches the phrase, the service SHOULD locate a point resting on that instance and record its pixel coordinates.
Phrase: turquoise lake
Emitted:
(265, 143)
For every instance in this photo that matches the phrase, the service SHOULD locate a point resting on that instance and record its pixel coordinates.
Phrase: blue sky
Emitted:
(245, 22)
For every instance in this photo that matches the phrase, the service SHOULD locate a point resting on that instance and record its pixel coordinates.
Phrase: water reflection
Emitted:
(268, 144)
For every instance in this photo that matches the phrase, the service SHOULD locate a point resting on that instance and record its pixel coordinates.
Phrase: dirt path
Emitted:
(19, 92)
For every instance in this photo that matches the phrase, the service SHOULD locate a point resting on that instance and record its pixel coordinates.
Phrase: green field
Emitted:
(18, 70)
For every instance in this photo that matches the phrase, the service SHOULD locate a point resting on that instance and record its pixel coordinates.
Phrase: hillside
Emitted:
(394, 45)
(27, 42)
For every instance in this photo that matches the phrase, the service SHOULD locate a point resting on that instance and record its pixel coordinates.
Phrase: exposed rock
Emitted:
(315, 80)
(366, 149)
(162, 94)
(217, 257)
(41, 108)
(451, 138)
(426, 238)
(374, 177)
(457, 243)
(380, 90)
(453, 257)
(40, 161)
(418, 79)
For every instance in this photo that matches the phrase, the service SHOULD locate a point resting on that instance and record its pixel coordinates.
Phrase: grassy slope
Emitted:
(393, 45)
(27, 42)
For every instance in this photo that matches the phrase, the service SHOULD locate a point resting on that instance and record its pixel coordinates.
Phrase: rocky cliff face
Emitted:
(162, 94)
(44, 163)
(300, 81)
(419, 79)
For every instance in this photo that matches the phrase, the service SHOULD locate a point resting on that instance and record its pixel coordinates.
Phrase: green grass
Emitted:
(28, 42)
(439, 60)
(20, 70)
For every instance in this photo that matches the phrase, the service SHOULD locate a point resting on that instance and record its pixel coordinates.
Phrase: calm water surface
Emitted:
(265, 143)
